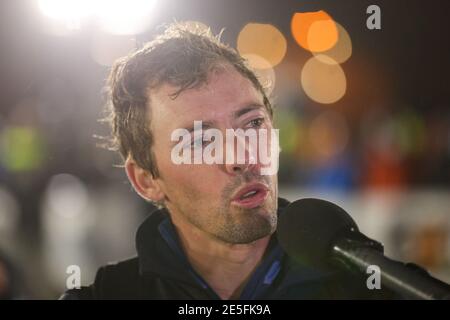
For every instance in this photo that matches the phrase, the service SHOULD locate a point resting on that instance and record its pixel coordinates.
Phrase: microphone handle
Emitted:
(409, 280)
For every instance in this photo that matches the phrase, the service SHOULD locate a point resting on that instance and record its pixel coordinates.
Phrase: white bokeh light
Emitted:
(67, 196)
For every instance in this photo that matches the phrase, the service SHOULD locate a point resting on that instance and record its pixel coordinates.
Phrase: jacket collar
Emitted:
(160, 254)
(156, 257)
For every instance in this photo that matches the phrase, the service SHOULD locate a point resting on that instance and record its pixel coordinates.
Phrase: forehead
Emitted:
(225, 92)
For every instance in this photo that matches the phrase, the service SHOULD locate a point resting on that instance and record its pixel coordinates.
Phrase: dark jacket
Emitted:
(162, 271)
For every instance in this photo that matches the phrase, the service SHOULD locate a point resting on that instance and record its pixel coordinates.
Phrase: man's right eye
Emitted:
(198, 143)
(256, 123)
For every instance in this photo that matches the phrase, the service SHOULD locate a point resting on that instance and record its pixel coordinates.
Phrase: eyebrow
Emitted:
(239, 113)
(247, 109)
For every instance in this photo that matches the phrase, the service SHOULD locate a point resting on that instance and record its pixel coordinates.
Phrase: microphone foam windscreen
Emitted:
(307, 228)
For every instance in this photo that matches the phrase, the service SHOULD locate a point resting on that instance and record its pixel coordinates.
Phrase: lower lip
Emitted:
(253, 201)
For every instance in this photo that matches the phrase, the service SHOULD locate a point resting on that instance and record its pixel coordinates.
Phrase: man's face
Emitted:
(210, 196)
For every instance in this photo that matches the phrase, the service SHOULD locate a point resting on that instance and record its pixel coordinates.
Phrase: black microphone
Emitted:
(321, 234)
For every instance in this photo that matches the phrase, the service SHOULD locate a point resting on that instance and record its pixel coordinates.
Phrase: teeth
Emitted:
(248, 194)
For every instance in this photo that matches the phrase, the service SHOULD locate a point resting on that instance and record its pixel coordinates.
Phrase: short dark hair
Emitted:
(182, 56)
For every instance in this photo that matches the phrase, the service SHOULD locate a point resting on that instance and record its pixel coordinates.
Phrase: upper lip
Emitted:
(248, 188)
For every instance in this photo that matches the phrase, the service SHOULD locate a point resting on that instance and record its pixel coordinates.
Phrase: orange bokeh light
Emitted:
(314, 31)
(264, 40)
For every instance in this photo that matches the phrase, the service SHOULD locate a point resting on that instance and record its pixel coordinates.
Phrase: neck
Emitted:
(226, 267)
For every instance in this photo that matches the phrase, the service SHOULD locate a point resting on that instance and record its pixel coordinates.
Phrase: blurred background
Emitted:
(364, 118)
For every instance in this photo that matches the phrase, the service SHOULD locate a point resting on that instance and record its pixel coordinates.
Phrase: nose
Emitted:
(238, 161)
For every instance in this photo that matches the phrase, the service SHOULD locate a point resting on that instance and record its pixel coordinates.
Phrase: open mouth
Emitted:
(251, 196)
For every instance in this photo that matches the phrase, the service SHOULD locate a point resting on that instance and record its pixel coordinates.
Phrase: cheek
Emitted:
(193, 180)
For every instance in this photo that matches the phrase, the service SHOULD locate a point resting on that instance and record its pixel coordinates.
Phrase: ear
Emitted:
(143, 182)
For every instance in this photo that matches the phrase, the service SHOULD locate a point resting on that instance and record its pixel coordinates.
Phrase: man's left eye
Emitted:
(256, 123)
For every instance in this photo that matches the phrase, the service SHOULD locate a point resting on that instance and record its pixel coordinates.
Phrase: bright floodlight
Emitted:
(125, 16)
(115, 16)
(71, 12)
